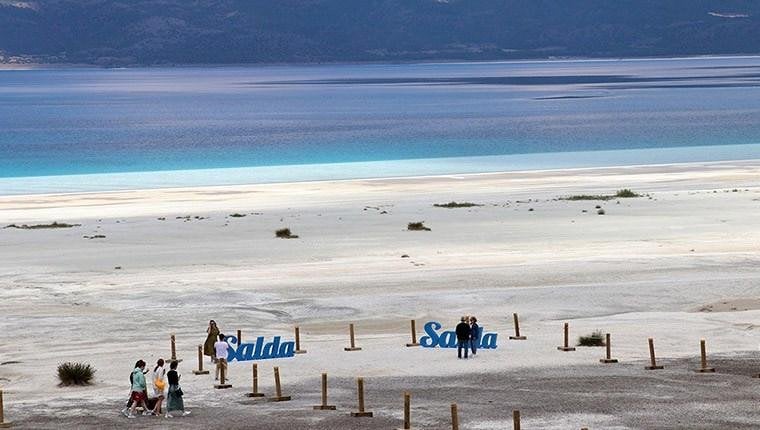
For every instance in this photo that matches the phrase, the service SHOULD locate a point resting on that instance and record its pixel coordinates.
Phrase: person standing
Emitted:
(159, 385)
(474, 335)
(138, 389)
(174, 402)
(212, 333)
(221, 349)
(463, 336)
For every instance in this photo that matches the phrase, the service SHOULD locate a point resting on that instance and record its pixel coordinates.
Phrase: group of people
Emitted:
(216, 348)
(468, 335)
(152, 405)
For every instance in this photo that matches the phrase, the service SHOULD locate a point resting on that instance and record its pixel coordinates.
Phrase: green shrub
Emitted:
(70, 373)
(417, 226)
(452, 205)
(626, 193)
(237, 215)
(285, 233)
(594, 339)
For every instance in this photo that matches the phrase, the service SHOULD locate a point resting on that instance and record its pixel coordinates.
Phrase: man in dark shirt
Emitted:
(463, 337)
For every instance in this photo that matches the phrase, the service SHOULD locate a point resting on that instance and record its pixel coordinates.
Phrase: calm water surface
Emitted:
(98, 121)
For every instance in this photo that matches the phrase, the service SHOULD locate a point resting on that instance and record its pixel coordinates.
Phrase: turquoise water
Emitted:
(242, 124)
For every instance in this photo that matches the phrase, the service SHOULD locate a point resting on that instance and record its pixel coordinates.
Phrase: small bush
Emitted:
(626, 193)
(586, 197)
(594, 339)
(237, 215)
(417, 226)
(600, 212)
(285, 233)
(452, 205)
(70, 373)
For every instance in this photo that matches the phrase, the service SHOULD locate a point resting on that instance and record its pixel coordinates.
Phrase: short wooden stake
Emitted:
(255, 388)
(200, 370)
(3, 424)
(652, 358)
(608, 357)
(324, 406)
(360, 390)
(414, 335)
(174, 349)
(516, 419)
(222, 385)
(298, 342)
(566, 346)
(239, 337)
(278, 388)
(704, 368)
(517, 330)
(407, 411)
(454, 417)
(353, 339)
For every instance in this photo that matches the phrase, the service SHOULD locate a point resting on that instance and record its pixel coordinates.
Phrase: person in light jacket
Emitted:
(138, 389)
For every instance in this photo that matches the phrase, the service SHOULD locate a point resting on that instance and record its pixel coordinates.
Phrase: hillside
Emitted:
(144, 32)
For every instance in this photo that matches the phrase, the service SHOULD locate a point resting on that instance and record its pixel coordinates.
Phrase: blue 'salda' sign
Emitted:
(448, 339)
(259, 350)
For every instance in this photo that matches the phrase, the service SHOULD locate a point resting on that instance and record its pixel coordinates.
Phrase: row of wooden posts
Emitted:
(517, 336)
(704, 368)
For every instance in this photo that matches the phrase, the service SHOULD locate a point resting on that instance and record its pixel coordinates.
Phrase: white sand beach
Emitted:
(677, 264)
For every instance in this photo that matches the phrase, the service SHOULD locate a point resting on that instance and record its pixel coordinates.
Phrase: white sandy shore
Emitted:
(643, 269)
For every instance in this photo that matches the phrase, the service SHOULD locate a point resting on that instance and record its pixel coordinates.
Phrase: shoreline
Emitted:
(51, 66)
(383, 170)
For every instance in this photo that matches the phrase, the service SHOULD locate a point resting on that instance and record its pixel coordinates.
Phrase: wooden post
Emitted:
(608, 356)
(174, 348)
(566, 346)
(255, 388)
(652, 358)
(278, 388)
(3, 423)
(298, 342)
(517, 330)
(516, 419)
(353, 339)
(703, 353)
(454, 417)
(239, 337)
(414, 335)
(222, 385)
(324, 406)
(360, 390)
(407, 411)
(200, 370)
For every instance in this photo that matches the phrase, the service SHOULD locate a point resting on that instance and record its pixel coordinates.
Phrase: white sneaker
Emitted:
(130, 416)
(186, 413)
(168, 415)
(125, 412)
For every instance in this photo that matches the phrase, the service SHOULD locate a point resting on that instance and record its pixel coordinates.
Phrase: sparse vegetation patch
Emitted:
(285, 233)
(452, 205)
(55, 224)
(71, 373)
(594, 339)
(620, 194)
(417, 226)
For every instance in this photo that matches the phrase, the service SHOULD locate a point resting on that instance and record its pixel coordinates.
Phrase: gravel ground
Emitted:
(614, 396)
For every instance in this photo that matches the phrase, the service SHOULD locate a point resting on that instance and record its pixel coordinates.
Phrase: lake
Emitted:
(80, 129)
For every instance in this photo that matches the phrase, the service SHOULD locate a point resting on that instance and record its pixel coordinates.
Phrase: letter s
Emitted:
(431, 340)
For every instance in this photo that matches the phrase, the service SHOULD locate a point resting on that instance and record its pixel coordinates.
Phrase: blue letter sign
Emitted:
(448, 339)
(259, 350)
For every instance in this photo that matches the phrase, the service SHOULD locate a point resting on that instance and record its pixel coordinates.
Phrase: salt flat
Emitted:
(677, 265)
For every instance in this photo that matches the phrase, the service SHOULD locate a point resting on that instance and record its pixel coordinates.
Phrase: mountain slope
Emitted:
(122, 32)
